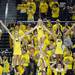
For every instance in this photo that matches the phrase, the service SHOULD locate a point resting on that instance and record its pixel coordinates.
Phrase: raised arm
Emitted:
(7, 30)
(52, 66)
(69, 29)
(26, 33)
(52, 34)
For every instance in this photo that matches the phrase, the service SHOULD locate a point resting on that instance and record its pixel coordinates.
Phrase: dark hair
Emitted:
(55, 4)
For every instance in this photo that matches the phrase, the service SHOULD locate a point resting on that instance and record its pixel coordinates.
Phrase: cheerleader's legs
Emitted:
(16, 60)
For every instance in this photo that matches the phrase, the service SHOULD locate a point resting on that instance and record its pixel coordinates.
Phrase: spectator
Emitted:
(31, 9)
(43, 9)
(55, 10)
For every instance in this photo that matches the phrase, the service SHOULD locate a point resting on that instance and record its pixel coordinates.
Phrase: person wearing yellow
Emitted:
(40, 32)
(68, 59)
(55, 10)
(59, 50)
(20, 70)
(35, 39)
(41, 66)
(17, 52)
(43, 8)
(1, 70)
(21, 11)
(59, 70)
(31, 9)
(16, 36)
(25, 60)
(59, 47)
(47, 58)
(46, 41)
(57, 28)
(6, 66)
(22, 7)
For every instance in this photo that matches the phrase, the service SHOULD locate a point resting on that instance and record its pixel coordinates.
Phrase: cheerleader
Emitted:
(58, 50)
(60, 68)
(6, 66)
(41, 66)
(16, 37)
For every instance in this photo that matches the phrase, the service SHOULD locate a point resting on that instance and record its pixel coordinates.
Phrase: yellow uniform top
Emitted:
(1, 70)
(69, 60)
(55, 11)
(17, 42)
(43, 7)
(6, 67)
(23, 28)
(35, 41)
(40, 32)
(17, 47)
(20, 70)
(59, 47)
(31, 9)
(55, 26)
(35, 55)
(25, 58)
(46, 43)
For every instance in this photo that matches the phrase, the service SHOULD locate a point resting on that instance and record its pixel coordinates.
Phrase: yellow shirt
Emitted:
(68, 59)
(17, 47)
(46, 43)
(20, 70)
(23, 28)
(31, 9)
(55, 12)
(25, 58)
(1, 70)
(43, 7)
(59, 47)
(55, 26)
(6, 67)
(22, 8)
(17, 42)
(40, 32)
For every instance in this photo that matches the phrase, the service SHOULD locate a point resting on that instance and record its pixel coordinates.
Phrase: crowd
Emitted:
(46, 49)
(42, 48)
(51, 9)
